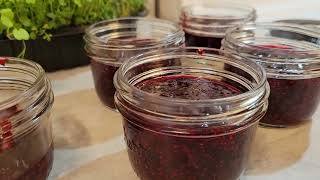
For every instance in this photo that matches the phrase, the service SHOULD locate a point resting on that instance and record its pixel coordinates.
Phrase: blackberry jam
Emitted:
(110, 43)
(200, 41)
(191, 120)
(26, 145)
(205, 25)
(303, 95)
(290, 55)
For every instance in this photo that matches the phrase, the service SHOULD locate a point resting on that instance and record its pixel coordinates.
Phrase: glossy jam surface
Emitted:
(292, 102)
(202, 41)
(103, 81)
(188, 87)
(216, 152)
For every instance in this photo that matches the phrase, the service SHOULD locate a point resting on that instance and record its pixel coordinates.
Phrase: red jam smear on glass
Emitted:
(292, 102)
(14, 165)
(3, 61)
(202, 41)
(219, 155)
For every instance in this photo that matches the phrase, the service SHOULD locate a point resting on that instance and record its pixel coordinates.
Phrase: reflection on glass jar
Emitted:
(110, 43)
(291, 56)
(192, 119)
(205, 25)
(26, 150)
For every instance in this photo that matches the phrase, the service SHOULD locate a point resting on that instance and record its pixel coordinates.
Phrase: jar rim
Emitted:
(189, 11)
(257, 94)
(307, 55)
(215, 25)
(22, 110)
(114, 24)
(39, 78)
(274, 25)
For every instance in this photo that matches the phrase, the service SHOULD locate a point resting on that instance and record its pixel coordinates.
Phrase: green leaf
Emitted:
(33, 35)
(6, 21)
(21, 34)
(62, 2)
(30, 1)
(25, 21)
(7, 12)
(78, 2)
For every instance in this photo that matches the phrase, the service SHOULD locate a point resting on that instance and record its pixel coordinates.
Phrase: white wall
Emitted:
(268, 10)
(151, 6)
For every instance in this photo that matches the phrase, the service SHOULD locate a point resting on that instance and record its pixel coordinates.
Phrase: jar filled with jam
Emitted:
(26, 144)
(205, 25)
(291, 56)
(110, 43)
(191, 119)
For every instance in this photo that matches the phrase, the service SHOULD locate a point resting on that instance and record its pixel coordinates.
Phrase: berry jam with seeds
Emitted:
(103, 80)
(110, 43)
(187, 87)
(215, 152)
(202, 41)
(292, 102)
(290, 56)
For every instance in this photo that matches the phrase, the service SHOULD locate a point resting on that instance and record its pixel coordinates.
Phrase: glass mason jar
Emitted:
(110, 43)
(291, 56)
(205, 25)
(26, 144)
(193, 120)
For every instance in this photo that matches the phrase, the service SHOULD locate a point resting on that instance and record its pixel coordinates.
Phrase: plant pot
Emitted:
(65, 50)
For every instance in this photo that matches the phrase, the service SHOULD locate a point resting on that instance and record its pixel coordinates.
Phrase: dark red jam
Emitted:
(20, 159)
(292, 102)
(216, 152)
(203, 41)
(103, 81)
(24, 170)
(188, 87)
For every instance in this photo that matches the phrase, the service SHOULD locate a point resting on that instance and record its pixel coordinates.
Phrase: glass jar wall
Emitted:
(110, 43)
(291, 56)
(205, 24)
(190, 113)
(26, 144)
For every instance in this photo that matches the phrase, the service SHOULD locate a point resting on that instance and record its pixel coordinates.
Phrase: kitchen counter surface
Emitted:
(89, 141)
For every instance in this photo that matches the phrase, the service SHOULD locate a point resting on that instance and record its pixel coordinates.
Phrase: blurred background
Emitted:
(268, 10)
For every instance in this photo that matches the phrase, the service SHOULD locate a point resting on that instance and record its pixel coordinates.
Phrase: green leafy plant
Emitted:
(31, 19)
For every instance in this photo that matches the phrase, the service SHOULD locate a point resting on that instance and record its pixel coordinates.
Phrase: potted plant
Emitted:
(50, 31)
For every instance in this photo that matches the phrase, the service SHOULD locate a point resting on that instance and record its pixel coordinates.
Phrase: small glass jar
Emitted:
(198, 123)
(291, 56)
(205, 25)
(110, 43)
(26, 144)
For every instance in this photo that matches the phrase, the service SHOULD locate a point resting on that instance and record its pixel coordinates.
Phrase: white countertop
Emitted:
(89, 142)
